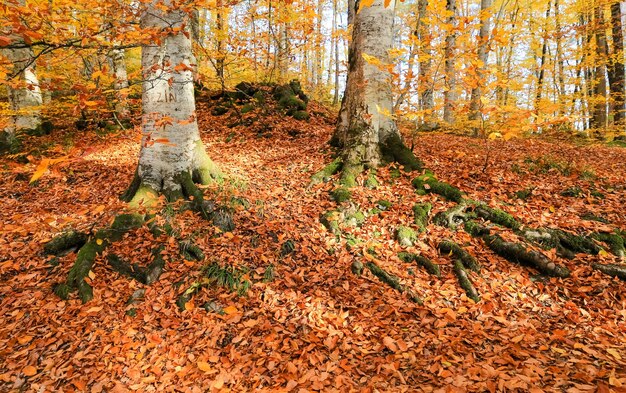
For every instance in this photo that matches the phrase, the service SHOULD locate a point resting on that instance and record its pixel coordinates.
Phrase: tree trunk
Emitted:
(616, 73)
(542, 62)
(341, 130)
(371, 136)
(171, 152)
(117, 60)
(483, 55)
(599, 116)
(23, 92)
(449, 94)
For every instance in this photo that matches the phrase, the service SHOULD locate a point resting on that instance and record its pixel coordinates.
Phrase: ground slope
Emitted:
(315, 326)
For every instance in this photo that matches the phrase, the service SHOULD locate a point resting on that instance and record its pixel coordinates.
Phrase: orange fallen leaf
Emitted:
(29, 371)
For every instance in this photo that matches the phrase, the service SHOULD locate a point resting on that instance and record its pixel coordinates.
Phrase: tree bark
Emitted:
(483, 55)
(616, 72)
(24, 93)
(599, 116)
(425, 79)
(117, 60)
(171, 151)
(371, 135)
(449, 94)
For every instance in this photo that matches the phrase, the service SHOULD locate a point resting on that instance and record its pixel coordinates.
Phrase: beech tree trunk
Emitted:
(599, 116)
(483, 55)
(23, 92)
(368, 93)
(366, 128)
(117, 60)
(172, 152)
(616, 73)
(425, 88)
(449, 94)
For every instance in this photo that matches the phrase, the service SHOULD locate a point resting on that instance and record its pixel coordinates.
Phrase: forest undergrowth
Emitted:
(274, 306)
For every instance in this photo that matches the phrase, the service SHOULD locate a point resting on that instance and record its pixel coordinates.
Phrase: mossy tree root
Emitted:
(612, 270)
(64, 242)
(145, 275)
(464, 281)
(327, 172)
(427, 264)
(428, 183)
(421, 211)
(190, 251)
(88, 252)
(497, 216)
(394, 150)
(457, 252)
(392, 281)
(614, 241)
(518, 253)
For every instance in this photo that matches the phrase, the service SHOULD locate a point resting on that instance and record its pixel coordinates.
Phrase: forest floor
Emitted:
(315, 326)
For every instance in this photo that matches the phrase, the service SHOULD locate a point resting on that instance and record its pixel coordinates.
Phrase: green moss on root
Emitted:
(421, 211)
(464, 281)
(457, 252)
(371, 182)
(424, 262)
(405, 236)
(394, 149)
(341, 194)
(497, 216)
(327, 172)
(392, 281)
(428, 183)
(518, 253)
(64, 242)
(613, 240)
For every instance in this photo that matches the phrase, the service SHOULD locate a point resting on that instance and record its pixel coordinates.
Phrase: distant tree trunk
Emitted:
(117, 60)
(599, 116)
(425, 80)
(319, 48)
(483, 55)
(449, 94)
(371, 135)
(172, 152)
(616, 72)
(559, 59)
(336, 46)
(341, 130)
(542, 62)
(220, 34)
(24, 94)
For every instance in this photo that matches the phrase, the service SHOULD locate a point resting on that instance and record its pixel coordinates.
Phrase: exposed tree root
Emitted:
(392, 281)
(64, 242)
(427, 183)
(327, 172)
(145, 275)
(394, 150)
(464, 281)
(190, 251)
(613, 270)
(427, 264)
(421, 211)
(453, 249)
(88, 252)
(518, 253)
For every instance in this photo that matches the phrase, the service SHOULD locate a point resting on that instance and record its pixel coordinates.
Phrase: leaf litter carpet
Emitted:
(315, 326)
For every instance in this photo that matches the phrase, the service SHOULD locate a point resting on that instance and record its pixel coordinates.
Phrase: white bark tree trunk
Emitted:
(483, 56)
(172, 152)
(117, 60)
(23, 90)
(371, 135)
(450, 95)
